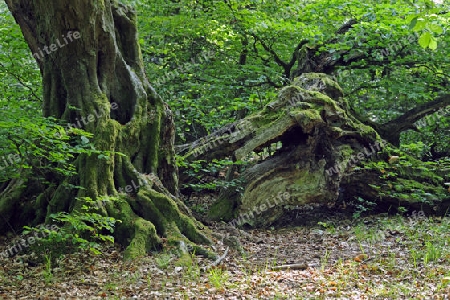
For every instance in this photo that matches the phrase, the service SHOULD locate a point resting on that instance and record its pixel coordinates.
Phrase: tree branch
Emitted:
(392, 129)
(286, 66)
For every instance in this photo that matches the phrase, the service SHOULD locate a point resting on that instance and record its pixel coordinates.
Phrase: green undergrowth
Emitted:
(199, 171)
(407, 178)
(81, 230)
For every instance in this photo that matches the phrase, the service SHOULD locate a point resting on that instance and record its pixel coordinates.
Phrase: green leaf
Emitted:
(433, 43)
(84, 140)
(413, 23)
(424, 39)
(435, 28)
(420, 25)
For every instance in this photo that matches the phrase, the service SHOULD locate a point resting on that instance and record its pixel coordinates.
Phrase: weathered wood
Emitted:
(311, 122)
(290, 267)
(321, 143)
(298, 106)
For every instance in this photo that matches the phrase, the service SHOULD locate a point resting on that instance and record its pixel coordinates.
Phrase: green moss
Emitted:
(168, 219)
(153, 143)
(138, 233)
(190, 230)
(143, 240)
(121, 210)
(221, 210)
(184, 261)
(307, 118)
(322, 81)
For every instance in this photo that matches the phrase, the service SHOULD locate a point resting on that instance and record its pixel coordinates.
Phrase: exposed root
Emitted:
(216, 262)
(152, 220)
(16, 205)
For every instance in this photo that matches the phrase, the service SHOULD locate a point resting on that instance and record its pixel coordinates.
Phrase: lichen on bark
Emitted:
(83, 81)
(323, 145)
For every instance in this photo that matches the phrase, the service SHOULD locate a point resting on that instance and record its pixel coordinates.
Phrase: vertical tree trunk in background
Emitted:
(91, 64)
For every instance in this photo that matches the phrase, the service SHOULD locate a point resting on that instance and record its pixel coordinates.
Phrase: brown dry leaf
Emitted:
(360, 257)
(392, 159)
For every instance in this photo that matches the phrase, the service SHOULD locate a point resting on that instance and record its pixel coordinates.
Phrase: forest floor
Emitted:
(335, 257)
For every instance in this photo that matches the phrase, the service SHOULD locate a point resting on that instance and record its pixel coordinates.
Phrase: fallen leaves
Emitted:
(297, 263)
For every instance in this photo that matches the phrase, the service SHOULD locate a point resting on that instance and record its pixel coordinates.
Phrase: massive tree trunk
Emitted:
(321, 147)
(93, 77)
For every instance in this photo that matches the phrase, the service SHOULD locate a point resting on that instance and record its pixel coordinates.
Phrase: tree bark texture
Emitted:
(97, 82)
(321, 151)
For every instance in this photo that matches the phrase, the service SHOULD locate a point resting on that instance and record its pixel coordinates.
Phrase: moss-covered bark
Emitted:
(323, 149)
(97, 82)
(404, 182)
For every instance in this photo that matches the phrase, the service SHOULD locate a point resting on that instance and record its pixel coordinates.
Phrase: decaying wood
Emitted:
(290, 267)
(304, 59)
(319, 144)
(279, 120)
(311, 123)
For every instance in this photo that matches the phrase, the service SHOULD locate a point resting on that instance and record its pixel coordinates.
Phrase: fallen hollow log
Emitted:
(321, 142)
(313, 103)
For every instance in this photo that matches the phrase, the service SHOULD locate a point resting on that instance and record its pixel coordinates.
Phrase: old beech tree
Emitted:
(311, 123)
(101, 66)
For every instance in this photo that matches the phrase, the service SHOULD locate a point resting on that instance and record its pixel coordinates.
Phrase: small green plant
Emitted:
(193, 269)
(83, 230)
(110, 286)
(148, 278)
(445, 282)
(402, 210)
(86, 227)
(432, 253)
(374, 236)
(392, 263)
(163, 260)
(362, 206)
(217, 277)
(133, 277)
(415, 255)
(48, 275)
(324, 260)
(269, 264)
(328, 226)
(359, 231)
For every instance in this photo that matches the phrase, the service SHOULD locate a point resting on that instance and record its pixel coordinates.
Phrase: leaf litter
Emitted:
(376, 257)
